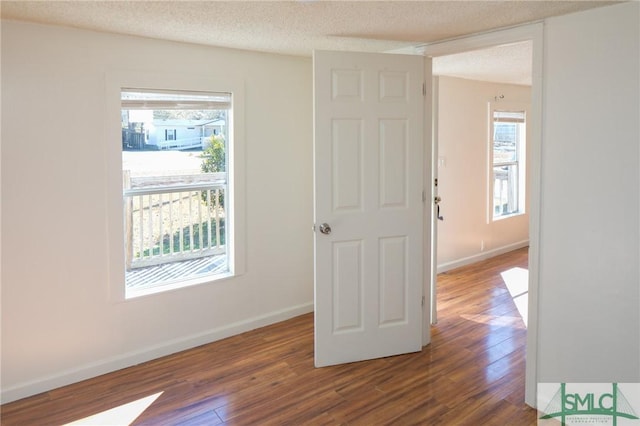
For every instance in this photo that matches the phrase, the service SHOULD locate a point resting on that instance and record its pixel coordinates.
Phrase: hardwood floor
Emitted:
(471, 374)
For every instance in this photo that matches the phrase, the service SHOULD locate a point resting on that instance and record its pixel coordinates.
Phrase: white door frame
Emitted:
(534, 33)
(429, 171)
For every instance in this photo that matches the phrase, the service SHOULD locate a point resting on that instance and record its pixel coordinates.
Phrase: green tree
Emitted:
(213, 161)
(213, 156)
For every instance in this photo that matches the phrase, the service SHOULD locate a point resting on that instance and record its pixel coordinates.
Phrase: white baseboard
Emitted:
(444, 267)
(87, 371)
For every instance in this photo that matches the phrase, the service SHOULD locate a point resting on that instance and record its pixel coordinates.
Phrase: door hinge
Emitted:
(424, 196)
(423, 301)
(424, 89)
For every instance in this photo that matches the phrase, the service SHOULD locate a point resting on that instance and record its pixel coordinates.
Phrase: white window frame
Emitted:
(504, 106)
(236, 228)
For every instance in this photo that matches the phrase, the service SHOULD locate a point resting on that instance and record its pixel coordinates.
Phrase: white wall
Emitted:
(465, 235)
(589, 290)
(59, 321)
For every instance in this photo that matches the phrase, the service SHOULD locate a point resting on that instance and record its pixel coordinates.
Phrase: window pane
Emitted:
(505, 190)
(505, 142)
(508, 156)
(174, 188)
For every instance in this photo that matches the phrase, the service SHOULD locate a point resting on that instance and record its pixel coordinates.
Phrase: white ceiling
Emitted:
(298, 27)
(501, 64)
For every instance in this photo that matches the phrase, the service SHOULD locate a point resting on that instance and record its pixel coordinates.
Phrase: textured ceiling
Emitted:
(501, 64)
(293, 27)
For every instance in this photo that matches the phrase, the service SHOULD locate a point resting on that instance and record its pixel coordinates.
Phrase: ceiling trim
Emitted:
(483, 40)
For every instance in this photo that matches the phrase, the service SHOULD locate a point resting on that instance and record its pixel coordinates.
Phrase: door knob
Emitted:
(325, 229)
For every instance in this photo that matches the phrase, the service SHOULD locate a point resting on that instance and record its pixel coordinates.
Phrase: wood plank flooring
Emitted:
(471, 374)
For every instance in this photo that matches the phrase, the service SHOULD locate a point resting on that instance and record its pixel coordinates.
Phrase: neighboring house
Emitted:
(176, 133)
(182, 134)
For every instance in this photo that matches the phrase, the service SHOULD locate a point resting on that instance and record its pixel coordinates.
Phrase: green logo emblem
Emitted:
(611, 404)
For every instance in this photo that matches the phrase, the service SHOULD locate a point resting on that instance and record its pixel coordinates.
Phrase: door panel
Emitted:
(347, 286)
(368, 183)
(394, 286)
(346, 165)
(393, 167)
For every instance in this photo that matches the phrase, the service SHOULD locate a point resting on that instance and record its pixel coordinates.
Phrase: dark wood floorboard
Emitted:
(472, 373)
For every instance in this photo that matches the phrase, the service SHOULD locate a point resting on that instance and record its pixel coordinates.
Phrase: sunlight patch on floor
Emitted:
(122, 415)
(517, 282)
(496, 320)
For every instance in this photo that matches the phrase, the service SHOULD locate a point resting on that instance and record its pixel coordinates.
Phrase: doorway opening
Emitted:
(480, 46)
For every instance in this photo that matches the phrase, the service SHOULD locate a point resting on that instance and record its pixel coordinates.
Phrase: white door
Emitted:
(369, 210)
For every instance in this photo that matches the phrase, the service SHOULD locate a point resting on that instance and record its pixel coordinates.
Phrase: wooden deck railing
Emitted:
(173, 218)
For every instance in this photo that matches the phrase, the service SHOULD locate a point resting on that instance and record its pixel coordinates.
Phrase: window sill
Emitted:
(507, 216)
(176, 285)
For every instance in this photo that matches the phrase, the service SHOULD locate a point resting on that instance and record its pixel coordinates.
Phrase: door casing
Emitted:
(534, 33)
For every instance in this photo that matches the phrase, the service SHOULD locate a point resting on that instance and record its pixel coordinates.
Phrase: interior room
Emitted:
(66, 315)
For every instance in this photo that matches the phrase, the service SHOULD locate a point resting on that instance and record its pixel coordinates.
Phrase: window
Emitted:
(507, 163)
(170, 135)
(177, 195)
